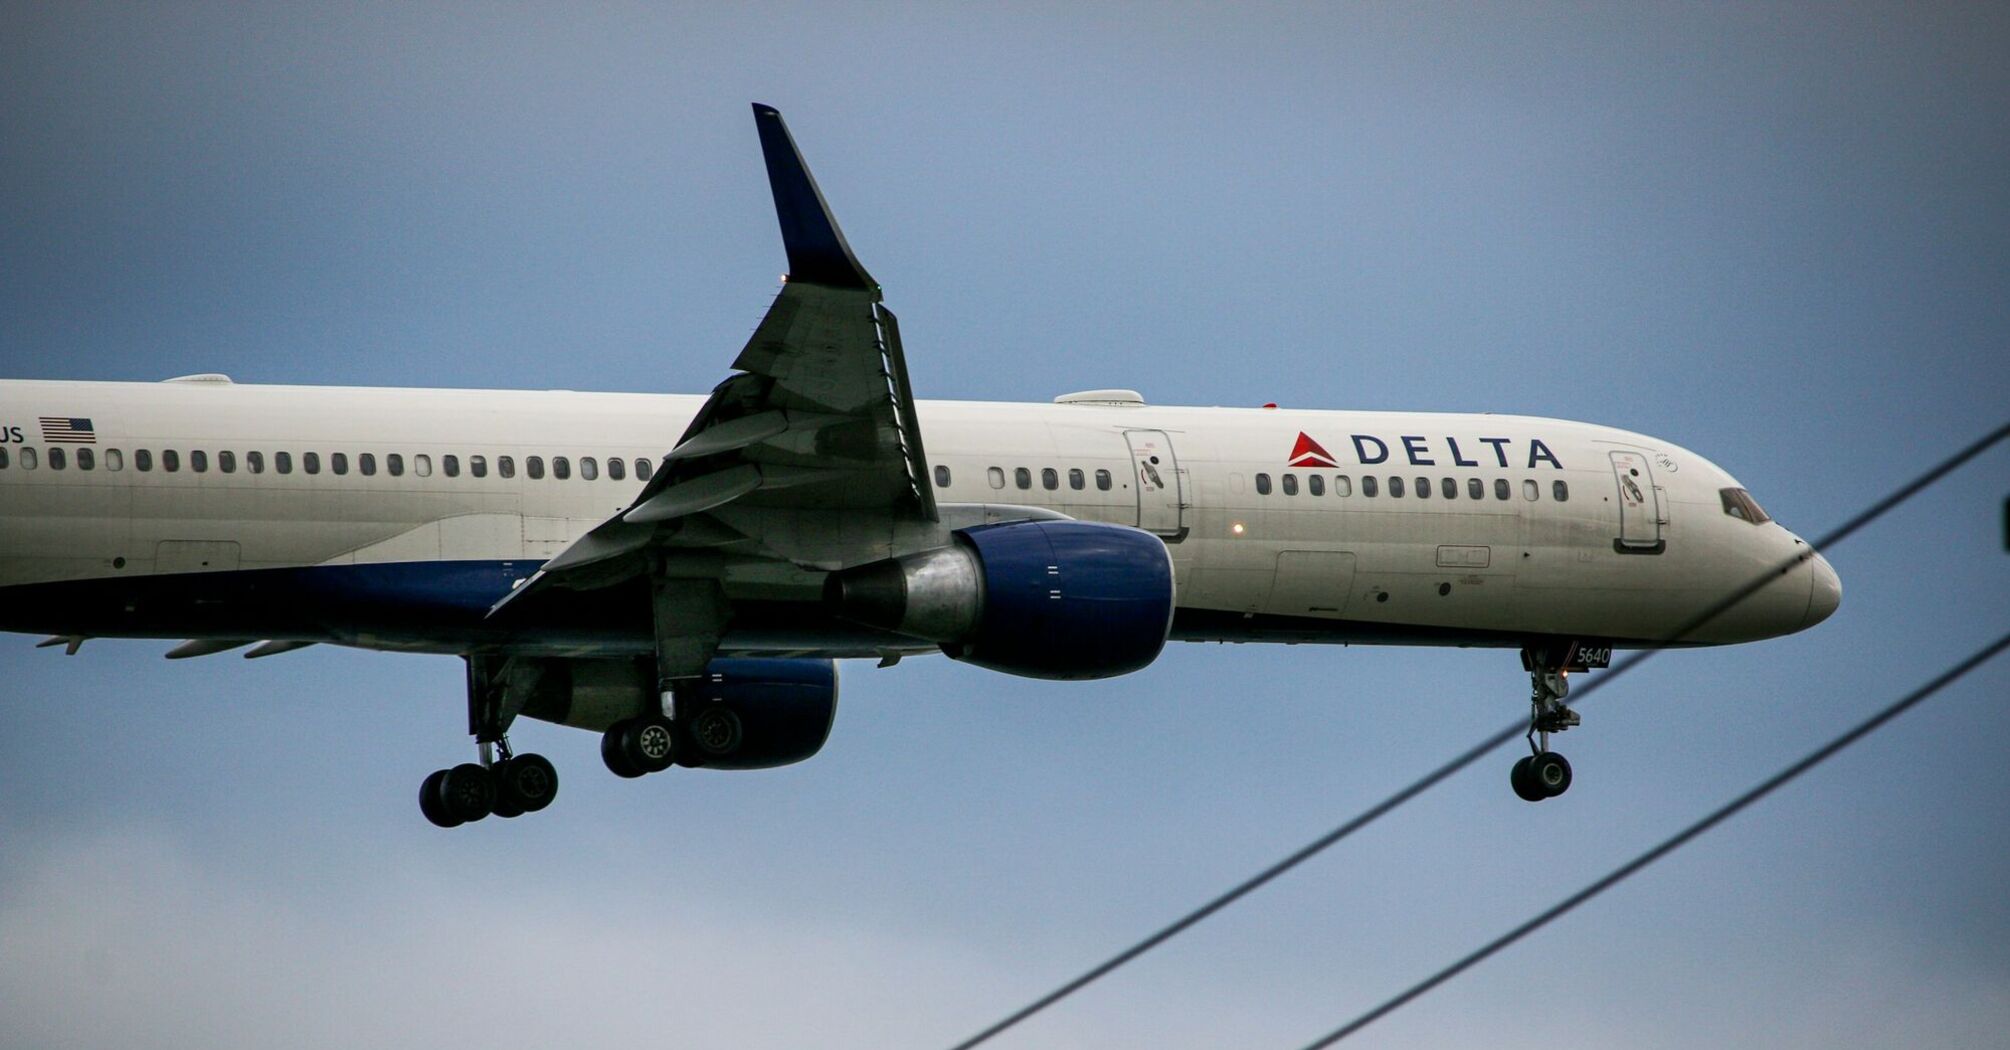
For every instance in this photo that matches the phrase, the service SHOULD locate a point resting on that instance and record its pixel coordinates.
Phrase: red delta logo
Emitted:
(1421, 451)
(1309, 453)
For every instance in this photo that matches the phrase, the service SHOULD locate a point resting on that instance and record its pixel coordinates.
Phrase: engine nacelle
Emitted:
(740, 714)
(755, 713)
(1041, 599)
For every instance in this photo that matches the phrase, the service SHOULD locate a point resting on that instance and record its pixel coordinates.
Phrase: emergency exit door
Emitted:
(1159, 483)
(1640, 511)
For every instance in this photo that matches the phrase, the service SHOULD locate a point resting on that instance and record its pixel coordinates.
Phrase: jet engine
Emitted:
(739, 714)
(755, 713)
(1040, 599)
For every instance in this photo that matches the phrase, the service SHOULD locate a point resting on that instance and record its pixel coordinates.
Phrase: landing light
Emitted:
(1236, 529)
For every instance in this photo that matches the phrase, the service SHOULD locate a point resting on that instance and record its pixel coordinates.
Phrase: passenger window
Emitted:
(1450, 487)
(1423, 488)
(143, 459)
(114, 459)
(533, 467)
(589, 468)
(198, 461)
(506, 466)
(996, 475)
(254, 462)
(1315, 484)
(27, 458)
(282, 462)
(3, 458)
(56, 458)
(1050, 479)
(1559, 491)
(226, 461)
(1290, 484)
(941, 476)
(1343, 485)
(338, 462)
(478, 466)
(1076, 479)
(1395, 488)
(170, 460)
(86, 459)
(1368, 485)
(1529, 490)
(561, 468)
(1476, 489)
(644, 468)
(310, 462)
(1022, 477)
(450, 465)
(366, 464)
(616, 469)
(1103, 481)
(394, 464)
(422, 465)
(1500, 488)
(1263, 484)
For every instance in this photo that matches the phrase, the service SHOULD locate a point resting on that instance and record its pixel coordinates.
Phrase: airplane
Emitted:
(680, 573)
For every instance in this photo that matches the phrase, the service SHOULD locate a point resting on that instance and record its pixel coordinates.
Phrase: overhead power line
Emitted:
(1667, 846)
(1474, 753)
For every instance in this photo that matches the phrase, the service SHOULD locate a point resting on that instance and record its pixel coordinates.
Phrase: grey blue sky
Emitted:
(1776, 234)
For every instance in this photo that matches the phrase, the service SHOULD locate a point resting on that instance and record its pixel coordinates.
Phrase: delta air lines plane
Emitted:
(679, 573)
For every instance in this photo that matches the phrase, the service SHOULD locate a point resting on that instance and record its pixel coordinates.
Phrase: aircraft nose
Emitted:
(1824, 591)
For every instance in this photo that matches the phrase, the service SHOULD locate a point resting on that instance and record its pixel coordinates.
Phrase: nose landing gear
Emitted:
(1544, 773)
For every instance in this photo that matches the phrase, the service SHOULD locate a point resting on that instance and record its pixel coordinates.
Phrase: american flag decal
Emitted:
(68, 430)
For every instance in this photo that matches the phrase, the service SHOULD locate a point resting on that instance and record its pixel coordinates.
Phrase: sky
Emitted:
(1778, 235)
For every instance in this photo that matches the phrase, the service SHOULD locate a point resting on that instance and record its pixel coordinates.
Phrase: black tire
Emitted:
(1524, 782)
(506, 805)
(649, 743)
(433, 803)
(1550, 774)
(527, 782)
(612, 754)
(467, 792)
(717, 731)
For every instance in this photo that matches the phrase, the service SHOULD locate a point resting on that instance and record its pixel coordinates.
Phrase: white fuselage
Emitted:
(1529, 528)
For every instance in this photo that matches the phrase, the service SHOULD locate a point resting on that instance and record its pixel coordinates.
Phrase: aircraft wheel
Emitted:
(505, 805)
(649, 743)
(1550, 773)
(1524, 782)
(526, 784)
(717, 730)
(612, 753)
(432, 801)
(467, 793)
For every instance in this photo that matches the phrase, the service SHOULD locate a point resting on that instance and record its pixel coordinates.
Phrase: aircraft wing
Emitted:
(809, 455)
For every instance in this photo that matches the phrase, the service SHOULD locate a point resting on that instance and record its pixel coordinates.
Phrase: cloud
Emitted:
(130, 938)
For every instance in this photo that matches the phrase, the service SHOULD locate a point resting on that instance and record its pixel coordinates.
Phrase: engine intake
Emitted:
(1041, 599)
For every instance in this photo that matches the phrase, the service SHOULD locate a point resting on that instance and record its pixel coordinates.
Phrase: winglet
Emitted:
(818, 253)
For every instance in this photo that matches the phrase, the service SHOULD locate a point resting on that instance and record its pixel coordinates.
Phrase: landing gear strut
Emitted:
(1544, 773)
(503, 783)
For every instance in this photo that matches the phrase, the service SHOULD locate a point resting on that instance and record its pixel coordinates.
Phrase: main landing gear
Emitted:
(637, 746)
(502, 784)
(1544, 773)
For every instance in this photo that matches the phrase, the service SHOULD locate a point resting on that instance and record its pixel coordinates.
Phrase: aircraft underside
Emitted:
(442, 608)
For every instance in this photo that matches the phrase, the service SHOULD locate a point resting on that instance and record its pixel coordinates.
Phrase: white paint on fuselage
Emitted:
(1533, 566)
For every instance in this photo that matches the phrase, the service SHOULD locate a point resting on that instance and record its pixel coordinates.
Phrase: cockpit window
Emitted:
(1739, 504)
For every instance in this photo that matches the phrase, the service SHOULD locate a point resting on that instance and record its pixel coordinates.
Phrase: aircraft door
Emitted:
(1640, 515)
(1160, 482)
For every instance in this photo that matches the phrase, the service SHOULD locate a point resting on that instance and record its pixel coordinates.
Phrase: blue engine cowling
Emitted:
(752, 713)
(1041, 599)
